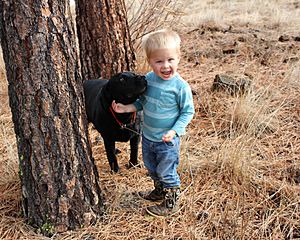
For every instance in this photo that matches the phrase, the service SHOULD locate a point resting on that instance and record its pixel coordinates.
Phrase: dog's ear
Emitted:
(106, 93)
(116, 76)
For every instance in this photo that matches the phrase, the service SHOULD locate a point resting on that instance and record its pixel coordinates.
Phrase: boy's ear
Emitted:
(179, 54)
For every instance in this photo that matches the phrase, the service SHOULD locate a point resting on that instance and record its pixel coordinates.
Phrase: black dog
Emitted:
(115, 127)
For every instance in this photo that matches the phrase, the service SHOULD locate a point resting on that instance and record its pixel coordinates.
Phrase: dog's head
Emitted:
(127, 87)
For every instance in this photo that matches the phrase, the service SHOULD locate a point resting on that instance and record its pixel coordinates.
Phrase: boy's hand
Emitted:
(169, 136)
(121, 108)
(118, 107)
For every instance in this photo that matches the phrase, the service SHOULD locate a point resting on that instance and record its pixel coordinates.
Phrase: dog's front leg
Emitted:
(111, 156)
(134, 145)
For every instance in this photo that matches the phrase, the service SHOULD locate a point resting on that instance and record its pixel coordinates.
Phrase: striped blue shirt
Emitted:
(166, 105)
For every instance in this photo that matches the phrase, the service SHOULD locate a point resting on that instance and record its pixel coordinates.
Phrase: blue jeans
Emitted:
(161, 160)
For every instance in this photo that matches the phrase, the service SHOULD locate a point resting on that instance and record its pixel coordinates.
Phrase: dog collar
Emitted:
(123, 125)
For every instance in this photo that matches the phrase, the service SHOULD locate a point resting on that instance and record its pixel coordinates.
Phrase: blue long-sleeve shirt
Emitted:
(166, 105)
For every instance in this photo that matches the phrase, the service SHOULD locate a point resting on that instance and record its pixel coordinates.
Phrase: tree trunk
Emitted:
(60, 189)
(104, 39)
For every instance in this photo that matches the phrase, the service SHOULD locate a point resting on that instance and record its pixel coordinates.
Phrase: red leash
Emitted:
(123, 125)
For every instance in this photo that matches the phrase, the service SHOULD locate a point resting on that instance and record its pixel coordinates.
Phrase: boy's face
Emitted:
(164, 62)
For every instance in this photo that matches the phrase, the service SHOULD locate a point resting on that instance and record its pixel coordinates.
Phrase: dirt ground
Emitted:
(229, 159)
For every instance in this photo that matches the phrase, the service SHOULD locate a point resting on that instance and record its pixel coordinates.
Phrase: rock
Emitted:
(231, 85)
(229, 50)
(297, 38)
(284, 38)
(291, 60)
(202, 215)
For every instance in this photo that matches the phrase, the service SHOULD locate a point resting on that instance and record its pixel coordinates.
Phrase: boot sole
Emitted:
(149, 200)
(161, 216)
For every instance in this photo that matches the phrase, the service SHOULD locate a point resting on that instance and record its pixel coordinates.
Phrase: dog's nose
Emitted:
(142, 79)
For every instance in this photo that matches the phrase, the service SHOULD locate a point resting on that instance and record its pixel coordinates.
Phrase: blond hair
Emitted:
(161, 39)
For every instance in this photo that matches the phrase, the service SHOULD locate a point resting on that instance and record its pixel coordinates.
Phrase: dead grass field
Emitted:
(240, 164)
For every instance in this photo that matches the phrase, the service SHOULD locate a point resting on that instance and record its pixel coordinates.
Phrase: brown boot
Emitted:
(156, 194)
(169, 205)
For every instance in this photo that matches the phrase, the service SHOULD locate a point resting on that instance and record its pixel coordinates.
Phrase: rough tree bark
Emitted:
(60, 188)
(104, 38)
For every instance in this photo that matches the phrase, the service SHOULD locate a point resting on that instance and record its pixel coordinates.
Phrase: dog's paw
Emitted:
(114, 168)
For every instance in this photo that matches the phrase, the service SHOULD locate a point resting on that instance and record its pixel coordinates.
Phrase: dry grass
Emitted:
(240, 165)
(146, 16)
